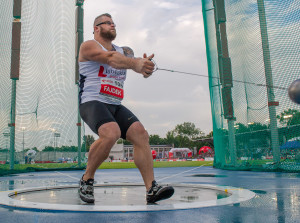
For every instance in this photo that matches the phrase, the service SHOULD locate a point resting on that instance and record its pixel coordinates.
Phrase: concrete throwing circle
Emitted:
(121, 198)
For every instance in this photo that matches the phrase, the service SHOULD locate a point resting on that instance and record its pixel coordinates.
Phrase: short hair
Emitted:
(105, 14)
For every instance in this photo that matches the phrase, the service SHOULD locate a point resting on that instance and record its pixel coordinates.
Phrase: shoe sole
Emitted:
(166, 193)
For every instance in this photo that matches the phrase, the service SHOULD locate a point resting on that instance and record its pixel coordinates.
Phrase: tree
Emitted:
(89, 140)
(240, 128)
(210, 135)
(156, 140)
(48, 149)
(255, 126)
(171, 139)
(184, 135)
(289, 117)
(123, 141)
(120, 141)
(187, 129)
(126, 142)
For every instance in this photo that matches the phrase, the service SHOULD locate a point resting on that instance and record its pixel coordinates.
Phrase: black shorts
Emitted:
(96, 113)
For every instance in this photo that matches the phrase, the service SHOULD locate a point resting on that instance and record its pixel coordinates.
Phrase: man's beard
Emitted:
(108, 35)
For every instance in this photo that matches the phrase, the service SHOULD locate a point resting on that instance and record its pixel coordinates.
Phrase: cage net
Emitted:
(46, 129)
(253, 54)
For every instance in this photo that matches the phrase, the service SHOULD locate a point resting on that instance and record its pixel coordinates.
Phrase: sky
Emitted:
(173, 31)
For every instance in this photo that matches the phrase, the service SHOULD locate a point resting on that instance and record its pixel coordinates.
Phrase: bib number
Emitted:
(112, 88)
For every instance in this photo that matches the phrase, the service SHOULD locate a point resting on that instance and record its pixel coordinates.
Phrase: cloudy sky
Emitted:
(173, 31)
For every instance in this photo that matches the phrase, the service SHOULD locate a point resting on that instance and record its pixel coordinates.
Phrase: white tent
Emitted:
(174, 150)
(185, 152)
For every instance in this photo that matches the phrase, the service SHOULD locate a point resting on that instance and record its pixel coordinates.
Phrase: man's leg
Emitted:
(139, 137)
(108, 133)
(144, 161)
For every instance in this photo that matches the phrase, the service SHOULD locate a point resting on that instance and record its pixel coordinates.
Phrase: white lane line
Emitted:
(67, 175)
(179, 173)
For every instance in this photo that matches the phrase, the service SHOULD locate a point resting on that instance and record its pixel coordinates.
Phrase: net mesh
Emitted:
(46, 96)
(5, 82)
(255, 127)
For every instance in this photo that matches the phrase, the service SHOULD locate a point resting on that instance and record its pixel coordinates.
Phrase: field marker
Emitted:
(67, 175)
(181, 173)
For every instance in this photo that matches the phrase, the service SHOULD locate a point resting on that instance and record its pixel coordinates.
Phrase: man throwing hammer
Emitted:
(102, 68)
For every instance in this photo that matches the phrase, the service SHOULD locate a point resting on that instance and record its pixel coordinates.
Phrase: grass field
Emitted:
(157, 164)
(21, 168)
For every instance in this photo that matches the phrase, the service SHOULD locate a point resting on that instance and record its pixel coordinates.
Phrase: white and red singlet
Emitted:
(101, 82)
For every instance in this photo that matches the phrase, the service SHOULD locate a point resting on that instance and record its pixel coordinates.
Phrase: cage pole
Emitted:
(79, 40)
(225, 72)
(14, 75)
(269, 81)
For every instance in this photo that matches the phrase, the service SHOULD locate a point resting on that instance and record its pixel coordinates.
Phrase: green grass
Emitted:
(24, 168)
(39, 165)
(128, 165)
(21, 168)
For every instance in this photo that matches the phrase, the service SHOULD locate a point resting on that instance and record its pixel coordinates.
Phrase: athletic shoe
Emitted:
(86, 190)
(157, 193)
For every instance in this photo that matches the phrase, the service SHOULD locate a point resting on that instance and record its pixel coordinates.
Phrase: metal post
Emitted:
(12, 125)
(54, 144)
(56, 136)
(6, 135)
(232, 142)
(269, 81)
(14, 74)
(225, 75)
(6, 150)
(218, 158)
(53, 138)
(79, 40)
(79, 134)
(23, 128)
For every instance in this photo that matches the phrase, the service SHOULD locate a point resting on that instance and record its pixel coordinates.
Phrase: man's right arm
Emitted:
(91, 51)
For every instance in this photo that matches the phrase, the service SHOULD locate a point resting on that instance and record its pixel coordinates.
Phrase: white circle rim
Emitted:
(236, 195)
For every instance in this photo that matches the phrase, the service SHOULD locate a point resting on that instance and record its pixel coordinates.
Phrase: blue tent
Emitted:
(291, 145)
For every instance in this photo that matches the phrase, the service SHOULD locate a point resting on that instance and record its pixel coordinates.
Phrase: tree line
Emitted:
(186, 135)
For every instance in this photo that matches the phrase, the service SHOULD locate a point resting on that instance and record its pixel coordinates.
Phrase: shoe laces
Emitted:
(88, 186)
(89, 189)
(154, 187)
(90, 182)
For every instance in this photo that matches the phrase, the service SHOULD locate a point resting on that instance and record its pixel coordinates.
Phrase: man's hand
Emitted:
(145, 66)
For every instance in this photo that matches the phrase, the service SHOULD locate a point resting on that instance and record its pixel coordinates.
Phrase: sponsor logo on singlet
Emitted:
(112, 82)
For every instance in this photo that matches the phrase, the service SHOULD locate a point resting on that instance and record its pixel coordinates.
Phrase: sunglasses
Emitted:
(107, 23)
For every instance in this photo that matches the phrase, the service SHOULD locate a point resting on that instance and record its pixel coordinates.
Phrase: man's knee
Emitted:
(137, 133)
(110, 132)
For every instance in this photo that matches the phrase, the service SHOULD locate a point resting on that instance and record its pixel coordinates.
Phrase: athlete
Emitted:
(102, 67)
